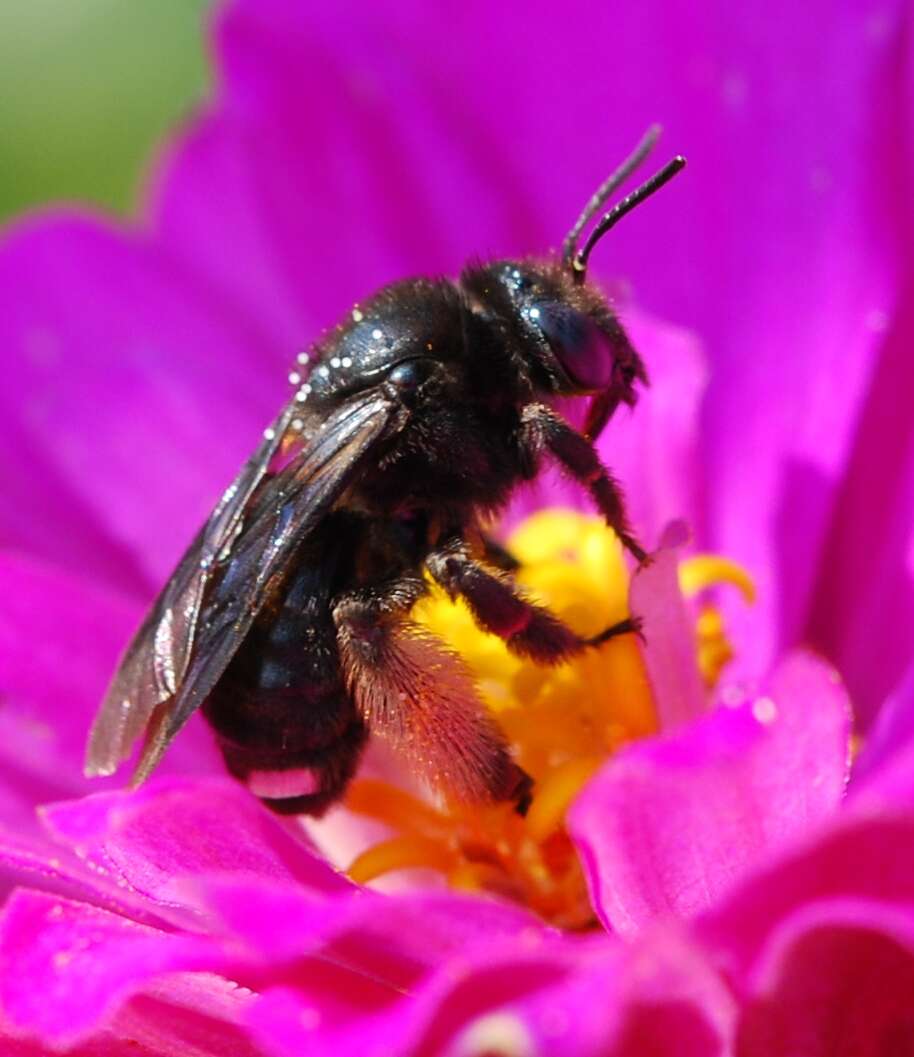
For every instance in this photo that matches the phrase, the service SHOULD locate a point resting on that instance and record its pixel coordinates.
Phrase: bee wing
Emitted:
(154, 663)
(207, 607)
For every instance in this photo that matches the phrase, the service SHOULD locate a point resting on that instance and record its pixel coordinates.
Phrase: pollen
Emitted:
(562, 722)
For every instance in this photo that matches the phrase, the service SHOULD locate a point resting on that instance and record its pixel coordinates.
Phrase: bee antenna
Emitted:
(611, 183)
(579, 261)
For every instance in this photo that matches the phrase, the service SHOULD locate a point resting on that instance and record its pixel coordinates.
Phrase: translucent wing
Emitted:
(207, 607)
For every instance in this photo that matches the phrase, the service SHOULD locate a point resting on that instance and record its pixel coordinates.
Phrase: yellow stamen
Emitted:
(400, 853)
(702, 571)
(556, 793)
(483, 877)
(697, 574)
(562, 722)
(399, 809)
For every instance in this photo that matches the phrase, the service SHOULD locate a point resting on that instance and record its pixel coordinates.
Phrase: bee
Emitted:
(287, 621)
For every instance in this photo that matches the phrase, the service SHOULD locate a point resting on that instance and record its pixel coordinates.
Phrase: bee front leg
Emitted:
(543, 429)
(528, 629)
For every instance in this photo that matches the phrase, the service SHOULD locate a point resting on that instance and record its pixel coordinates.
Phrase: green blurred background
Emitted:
(87, 87)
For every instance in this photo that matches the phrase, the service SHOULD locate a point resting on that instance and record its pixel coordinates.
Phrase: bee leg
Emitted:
(416, 694)
(543, 429)
(497, 554)
(528, 629)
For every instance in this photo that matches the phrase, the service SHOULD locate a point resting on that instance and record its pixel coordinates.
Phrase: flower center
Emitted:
(562, 722)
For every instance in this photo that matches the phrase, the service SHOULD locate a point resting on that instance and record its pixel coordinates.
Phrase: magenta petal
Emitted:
(657, 996)
(35, 862)
(655, 449)
(287, 1023)
(863, 857)
(325, 186)
(835, 980)
(181, 1015)
(60, 638)
(66, 966)
(283, 923)
(670, 647)
(186, 1014)
(131, 382)
(889, 745)
(864, 612)
(564, 998)
(421, 1021)
(210, 213)
(157, 839)
(670, 824)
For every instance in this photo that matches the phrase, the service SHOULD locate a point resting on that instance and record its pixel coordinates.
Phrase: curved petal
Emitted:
(867, 858)
(187, 1014)
(160, 840)
(290, 1023)
(60, 637)
(337, 163)
(889, 746)
(864, 612)
(131, 384)
(654, 450)
(669, 825)
(835, 979)
(565, 998)
(659, 995)
(67, 965)
(38, 863)
(669, 649)
(282, 923)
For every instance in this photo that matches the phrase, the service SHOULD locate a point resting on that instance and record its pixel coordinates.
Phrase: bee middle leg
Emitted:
(528, 629)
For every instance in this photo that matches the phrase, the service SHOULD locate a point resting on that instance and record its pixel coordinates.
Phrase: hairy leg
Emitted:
(528, 629)
(544, 430)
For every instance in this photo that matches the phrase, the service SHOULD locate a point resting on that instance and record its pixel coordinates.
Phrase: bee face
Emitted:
(562, 330)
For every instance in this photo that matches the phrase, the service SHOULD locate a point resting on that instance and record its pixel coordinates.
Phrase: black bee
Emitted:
(287, 620)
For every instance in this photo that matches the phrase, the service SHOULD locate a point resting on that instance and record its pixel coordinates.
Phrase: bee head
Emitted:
(561, 325)
(563, 331)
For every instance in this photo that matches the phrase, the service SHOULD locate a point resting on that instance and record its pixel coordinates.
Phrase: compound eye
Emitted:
(408, 375)
(578, 343)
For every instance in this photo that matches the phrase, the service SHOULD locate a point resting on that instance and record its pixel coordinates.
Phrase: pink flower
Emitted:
(753, 902)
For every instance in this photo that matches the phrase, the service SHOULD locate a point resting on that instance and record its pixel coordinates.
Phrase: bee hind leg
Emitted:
(418, 696)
